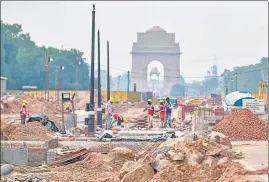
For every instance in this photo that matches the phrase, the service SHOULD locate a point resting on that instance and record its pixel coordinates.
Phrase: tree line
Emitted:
(243, 79)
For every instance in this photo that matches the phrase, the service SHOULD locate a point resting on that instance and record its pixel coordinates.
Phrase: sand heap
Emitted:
(33, 131)
(243, 125)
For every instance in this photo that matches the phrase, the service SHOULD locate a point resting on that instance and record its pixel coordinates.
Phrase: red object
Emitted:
(23, 112)
(150, 109)
(162, 111)
(116, 115)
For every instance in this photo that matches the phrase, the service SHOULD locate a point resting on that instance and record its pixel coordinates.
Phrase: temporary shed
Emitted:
(236, 98)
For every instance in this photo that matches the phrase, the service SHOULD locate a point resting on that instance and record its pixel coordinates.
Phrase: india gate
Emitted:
(155, 45)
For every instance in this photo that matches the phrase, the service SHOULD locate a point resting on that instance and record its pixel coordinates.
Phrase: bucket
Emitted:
(114, 130)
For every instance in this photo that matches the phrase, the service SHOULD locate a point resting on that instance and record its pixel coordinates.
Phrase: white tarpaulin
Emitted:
(257, 106)
(234, 97)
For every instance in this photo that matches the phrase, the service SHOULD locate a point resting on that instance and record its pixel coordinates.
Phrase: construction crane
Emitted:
(261, 88)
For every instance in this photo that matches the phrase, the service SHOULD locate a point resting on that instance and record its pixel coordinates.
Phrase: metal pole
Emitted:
(91, 127)
(128, 81)
(99, 109)
(58, 84)
(108, 74)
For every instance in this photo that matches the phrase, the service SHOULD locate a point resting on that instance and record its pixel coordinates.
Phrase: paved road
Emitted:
(255, 156)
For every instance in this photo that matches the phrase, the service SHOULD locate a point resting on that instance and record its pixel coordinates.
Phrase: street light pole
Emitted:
(99, 109)
(90, 123)
(59, 82)
(47, 71)
(108, 74)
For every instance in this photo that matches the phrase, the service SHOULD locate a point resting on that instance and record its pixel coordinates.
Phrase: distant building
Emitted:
(3, 85)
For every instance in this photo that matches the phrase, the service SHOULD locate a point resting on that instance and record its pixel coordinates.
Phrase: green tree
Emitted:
(22, 62)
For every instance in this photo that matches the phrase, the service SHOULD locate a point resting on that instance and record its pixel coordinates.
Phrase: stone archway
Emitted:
(155, 44)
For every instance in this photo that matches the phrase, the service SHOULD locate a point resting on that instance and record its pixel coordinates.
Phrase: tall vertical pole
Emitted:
(91, 127)
(128, 81)
(108, 74)
(99, 109)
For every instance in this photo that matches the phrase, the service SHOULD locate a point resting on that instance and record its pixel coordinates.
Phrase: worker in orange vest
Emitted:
(23, 113)
(150, 109)
(119, 118)
(162, 113)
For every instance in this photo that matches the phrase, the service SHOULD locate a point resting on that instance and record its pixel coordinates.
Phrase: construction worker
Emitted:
(23, 113)
(119, 118)
(168, 109)
(162, 113)
(150, 109)
(68, 110)
(109, 113)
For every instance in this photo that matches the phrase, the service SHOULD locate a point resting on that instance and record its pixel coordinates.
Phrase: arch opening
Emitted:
(155, 72)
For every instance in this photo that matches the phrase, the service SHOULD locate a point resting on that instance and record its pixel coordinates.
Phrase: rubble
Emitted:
(141, 173)
(243, 125)
(27, 178)
(119, 156)
(33, 131)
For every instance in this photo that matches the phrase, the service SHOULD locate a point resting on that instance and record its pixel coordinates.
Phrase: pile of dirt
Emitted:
(36, 105)
(243, 125)
(218, 173)
(93, 170)
(33, 131)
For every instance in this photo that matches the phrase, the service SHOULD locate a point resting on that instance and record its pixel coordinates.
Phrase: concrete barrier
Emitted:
(26, 153)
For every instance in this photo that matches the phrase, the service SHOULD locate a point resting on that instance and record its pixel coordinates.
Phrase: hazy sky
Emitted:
(235, 32)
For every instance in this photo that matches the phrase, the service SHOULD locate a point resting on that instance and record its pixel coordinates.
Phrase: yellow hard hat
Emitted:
(66, 106)
(111, 99)
(124, 120)
(25, 101)
(149, 100)
(161, 100)
(23, 104)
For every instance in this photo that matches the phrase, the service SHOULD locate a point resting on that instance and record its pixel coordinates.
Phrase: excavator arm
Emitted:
(261, 89)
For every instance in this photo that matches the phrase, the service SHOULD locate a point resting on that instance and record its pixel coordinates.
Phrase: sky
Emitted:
(235, 32)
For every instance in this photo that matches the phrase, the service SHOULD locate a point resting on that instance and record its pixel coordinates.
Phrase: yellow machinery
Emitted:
(261, 89)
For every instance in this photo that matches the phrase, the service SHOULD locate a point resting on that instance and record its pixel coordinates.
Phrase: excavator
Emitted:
(261, 89)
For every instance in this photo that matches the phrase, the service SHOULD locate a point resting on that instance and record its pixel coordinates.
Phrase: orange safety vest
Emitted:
(23, 112)
(150, 109)
(162, 111)
(116, 116)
